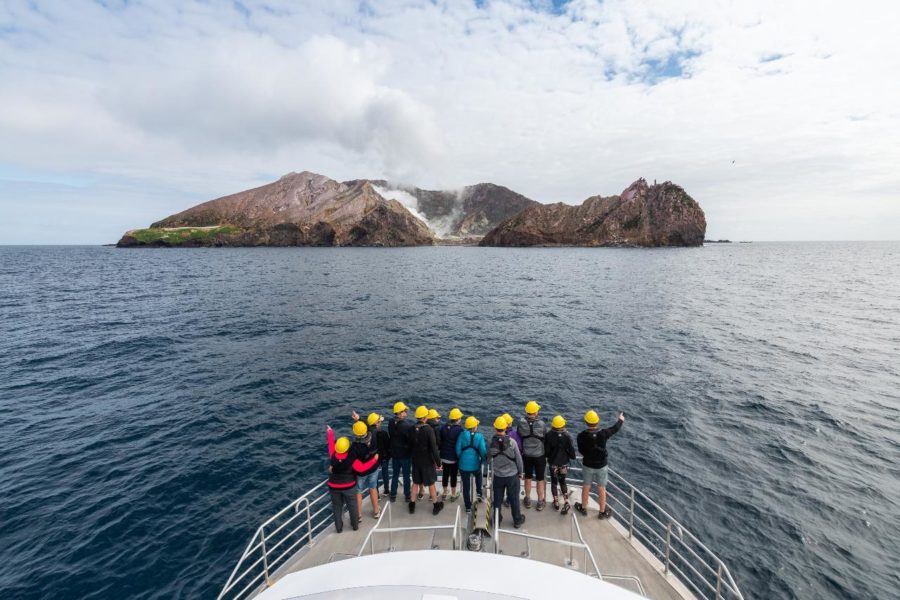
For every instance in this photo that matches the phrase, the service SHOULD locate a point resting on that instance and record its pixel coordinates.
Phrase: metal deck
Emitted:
(641, 549)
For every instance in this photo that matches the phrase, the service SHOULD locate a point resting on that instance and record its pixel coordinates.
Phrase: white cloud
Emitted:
(205, 98)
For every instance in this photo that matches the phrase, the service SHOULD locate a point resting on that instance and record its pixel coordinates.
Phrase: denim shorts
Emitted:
(367, 482)
(591, 475)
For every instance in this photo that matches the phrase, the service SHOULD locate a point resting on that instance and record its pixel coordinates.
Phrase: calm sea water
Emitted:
(157, 405)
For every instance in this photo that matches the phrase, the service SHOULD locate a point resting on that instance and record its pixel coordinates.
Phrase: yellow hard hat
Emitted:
(455, 414)
(500, 424)
(433, 414)
(399, 407)
(373, 418)
(471, 423)
(342, 445)
(558, 422)
(359, 429)
(591, 417)
(532, 407)
(422, 412)
(509, 419)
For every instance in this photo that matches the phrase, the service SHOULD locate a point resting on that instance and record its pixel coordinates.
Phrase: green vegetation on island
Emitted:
(177, 236)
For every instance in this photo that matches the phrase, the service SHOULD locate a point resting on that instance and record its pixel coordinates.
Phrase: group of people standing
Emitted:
(418, 449)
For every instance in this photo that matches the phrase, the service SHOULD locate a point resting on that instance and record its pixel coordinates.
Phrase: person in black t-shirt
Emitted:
(595, 469)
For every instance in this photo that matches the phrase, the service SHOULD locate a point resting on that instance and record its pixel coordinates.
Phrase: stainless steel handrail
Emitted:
(670, 533)
(370, 539)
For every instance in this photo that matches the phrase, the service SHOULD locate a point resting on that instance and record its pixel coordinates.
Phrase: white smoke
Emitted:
(410, 202)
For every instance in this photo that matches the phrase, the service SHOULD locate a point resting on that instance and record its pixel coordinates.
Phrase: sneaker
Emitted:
(376, 514)
(438, 507)
(565, 509)
(506, 503)
(387, 492)
(407, 499)
(454, 496)
(580, 509)
(556, 504)
(393, 498)
(412, 507)
(605, 514)
(443, 495)
(519, 523)
(527, 502)
(540, 505)
(421, 494)
(478, 498)
(355, 527)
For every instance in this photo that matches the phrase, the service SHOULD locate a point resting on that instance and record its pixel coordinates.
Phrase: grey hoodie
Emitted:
(532, 437)
(507, 462)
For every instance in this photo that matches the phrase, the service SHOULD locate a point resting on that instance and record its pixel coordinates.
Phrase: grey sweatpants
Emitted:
(338, 499)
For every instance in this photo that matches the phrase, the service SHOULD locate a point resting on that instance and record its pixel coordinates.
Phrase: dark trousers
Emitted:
(558, 477)
(384, 475)
(339, 498)
(467, 485)
(398, 464)
(450, 472)
(508, 486)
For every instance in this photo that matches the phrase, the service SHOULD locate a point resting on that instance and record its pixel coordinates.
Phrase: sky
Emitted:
(781, 118)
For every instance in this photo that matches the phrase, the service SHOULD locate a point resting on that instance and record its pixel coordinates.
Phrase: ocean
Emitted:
(156, 405)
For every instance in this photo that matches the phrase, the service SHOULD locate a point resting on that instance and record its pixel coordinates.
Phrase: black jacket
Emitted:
(592, 445)
(364, 449)
(401, 440)
(383, 441)
(560, 449)
(425, 449)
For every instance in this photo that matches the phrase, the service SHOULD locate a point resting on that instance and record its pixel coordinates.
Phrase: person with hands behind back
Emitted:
(595, 461)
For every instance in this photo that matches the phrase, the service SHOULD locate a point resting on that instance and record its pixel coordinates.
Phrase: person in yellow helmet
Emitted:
(343, 467)
(506, 463)
(365, 446)
(533, 430)
(471, 449)
(425, 460)
(595, 465)
(560, 450)
(399, 431)
(447, 437)
(434, 421)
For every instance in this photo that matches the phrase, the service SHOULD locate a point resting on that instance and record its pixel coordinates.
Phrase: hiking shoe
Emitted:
(519, 523)
(580, 509)
(565, 509)
(527, 502)
(438, 506)
(556, 504)
(605, 514)
(412, 507)
(540, 505)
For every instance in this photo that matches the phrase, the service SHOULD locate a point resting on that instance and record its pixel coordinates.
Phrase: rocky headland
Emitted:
(307, 209)
(641, 216)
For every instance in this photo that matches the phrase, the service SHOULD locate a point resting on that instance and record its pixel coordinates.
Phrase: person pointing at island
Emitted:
(595, 461)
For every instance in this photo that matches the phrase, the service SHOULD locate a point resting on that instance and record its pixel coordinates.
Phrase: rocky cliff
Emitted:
(641, 216)
(300, 209)
(468, 212)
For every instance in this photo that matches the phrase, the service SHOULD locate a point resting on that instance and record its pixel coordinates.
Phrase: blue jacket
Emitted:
(471, 452)
(449, 435)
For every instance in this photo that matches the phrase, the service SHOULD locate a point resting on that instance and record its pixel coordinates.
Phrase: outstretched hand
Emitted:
(355, 416)
(622, 417)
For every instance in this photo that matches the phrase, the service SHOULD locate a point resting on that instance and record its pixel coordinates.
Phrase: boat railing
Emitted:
(285, 533)
(677, 549)
(390, 530)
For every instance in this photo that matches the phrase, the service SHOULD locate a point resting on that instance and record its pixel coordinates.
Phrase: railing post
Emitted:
(719, 582)
(308, 523)
(668, 544)
(572, 539)
(390, 528)
(631, 516)
(265, 556)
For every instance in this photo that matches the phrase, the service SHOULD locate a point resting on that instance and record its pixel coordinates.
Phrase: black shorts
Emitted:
(536, 465)
(424, 474)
